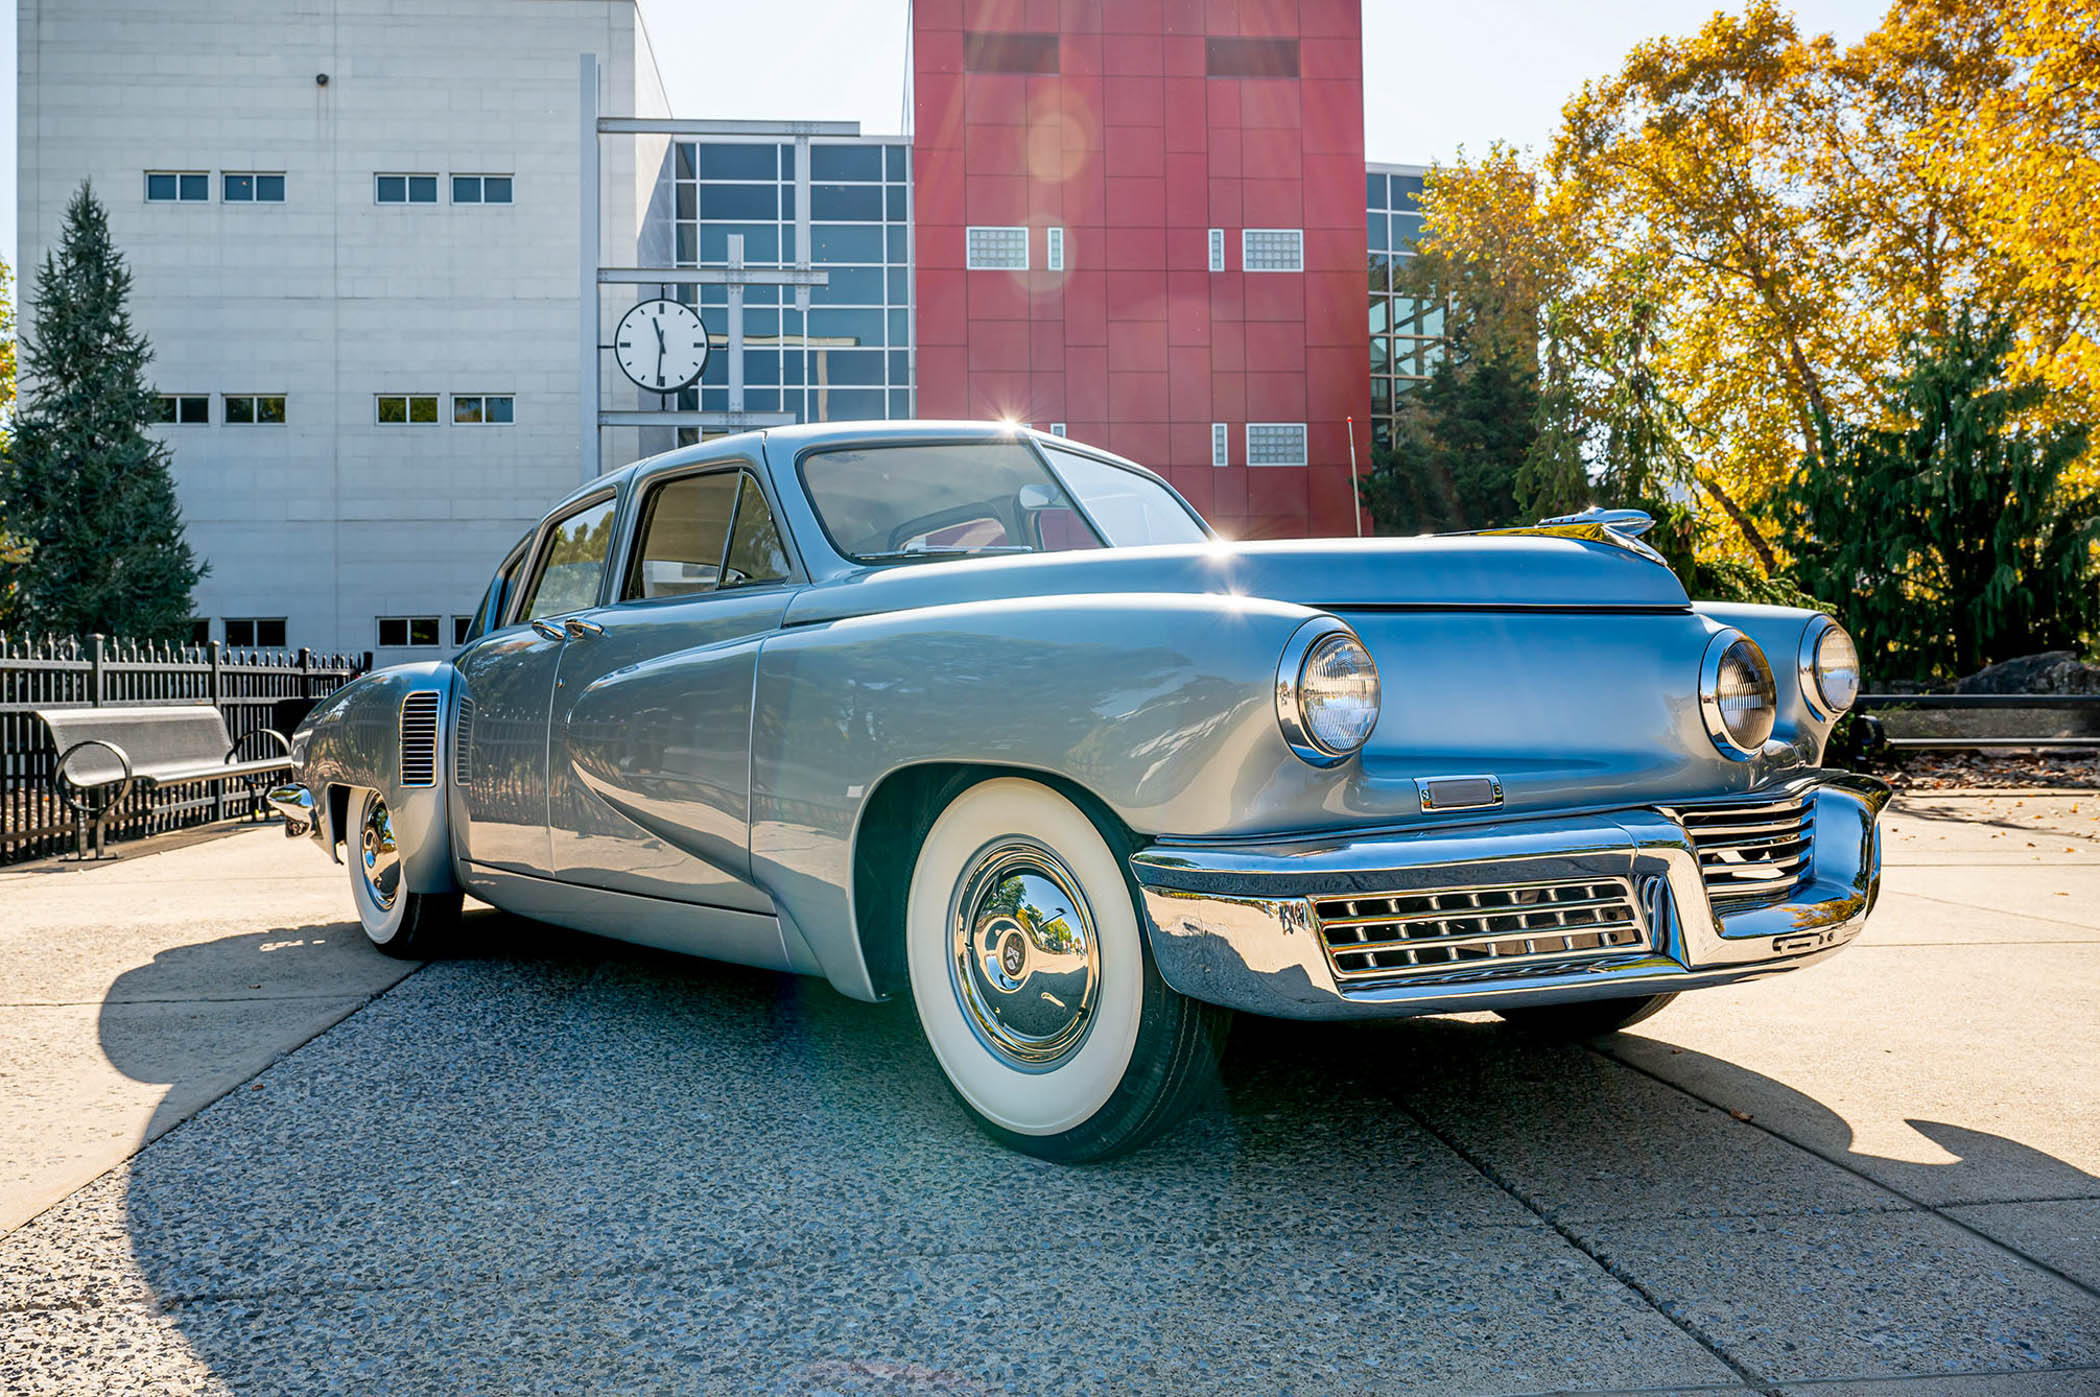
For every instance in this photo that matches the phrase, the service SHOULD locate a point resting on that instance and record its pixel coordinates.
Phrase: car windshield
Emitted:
(897, 504)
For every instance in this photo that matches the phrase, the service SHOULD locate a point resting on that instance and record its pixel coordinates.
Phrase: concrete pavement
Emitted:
(558, 1165)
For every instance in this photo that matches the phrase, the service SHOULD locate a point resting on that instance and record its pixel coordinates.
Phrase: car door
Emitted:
(649, 768)
(507, 683)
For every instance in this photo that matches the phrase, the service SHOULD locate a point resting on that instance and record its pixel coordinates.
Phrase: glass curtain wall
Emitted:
(848, 355)
(1407, 333)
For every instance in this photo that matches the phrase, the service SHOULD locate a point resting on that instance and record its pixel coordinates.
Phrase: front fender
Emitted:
(352, 741)
(1163, 707)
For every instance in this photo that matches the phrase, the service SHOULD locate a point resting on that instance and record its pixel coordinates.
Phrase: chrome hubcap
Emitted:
(1025, 961)
(379, 857)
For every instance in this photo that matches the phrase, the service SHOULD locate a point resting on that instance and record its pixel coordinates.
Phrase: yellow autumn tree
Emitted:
(1738, 237)
(2032, 153)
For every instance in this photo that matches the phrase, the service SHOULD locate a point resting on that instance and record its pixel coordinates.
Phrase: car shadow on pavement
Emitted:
(555, 1162)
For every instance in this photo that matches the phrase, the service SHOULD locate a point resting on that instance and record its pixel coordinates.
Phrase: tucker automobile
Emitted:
(991, 720)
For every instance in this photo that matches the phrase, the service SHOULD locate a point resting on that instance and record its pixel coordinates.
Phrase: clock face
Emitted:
(661, 345)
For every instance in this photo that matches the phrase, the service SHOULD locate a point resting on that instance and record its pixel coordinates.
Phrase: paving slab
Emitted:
(1865, 1295)
(2052, 1382)
(2065, 1233)
(136, 990)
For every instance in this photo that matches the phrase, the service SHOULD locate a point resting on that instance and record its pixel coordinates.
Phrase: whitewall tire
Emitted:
(397, 921)
(1033, 984)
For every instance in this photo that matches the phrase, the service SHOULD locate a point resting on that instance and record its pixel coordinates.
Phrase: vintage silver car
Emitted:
(990, 719)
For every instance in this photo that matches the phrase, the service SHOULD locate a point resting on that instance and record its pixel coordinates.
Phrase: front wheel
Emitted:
(1587, 1019)
(1034, 986)
(411, 925)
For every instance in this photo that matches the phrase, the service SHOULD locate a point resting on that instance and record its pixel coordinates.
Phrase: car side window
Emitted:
(573, 564)
(489, 615)
(756, 553)
(679, 543)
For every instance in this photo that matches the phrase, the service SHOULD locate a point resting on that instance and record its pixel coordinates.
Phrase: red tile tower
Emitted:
(1137, 127)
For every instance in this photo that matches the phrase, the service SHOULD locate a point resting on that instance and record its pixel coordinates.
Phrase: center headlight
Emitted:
(1736, 694)
(1829, 666)
(1327, 693)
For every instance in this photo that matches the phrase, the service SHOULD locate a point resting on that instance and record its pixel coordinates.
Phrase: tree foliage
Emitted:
(87, 486)
(1733, 239)
(1954, 539)
(13, 552)
(1463, 441)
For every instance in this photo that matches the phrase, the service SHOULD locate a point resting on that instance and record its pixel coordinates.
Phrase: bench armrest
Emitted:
(67, 786)
(284, 747)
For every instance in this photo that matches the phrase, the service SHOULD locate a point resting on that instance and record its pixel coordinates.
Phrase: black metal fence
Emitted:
(254, 689)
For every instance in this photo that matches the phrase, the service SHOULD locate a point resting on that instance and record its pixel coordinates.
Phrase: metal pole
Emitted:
(736, 324)
(588, 193)
(1356, 498)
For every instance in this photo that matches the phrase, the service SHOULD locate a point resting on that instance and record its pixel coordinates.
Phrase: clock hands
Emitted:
(658, 326)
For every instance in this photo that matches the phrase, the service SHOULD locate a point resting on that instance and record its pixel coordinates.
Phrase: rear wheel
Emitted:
(1587, 1019)
(401, 923)
(1033, 983)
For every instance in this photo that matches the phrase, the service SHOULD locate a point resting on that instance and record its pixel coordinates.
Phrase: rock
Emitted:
(2056, 672)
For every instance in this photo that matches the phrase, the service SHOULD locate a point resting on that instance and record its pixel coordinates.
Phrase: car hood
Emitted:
(1505, 572)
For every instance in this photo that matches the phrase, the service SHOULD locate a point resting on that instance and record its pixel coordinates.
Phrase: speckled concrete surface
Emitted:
(558, 1165)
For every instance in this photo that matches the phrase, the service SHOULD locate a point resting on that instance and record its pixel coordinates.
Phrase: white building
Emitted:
(353, 233)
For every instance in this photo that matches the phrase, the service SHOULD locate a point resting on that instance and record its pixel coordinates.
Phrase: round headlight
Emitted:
(1736, 694)
(1326, 692)
(1829, 667)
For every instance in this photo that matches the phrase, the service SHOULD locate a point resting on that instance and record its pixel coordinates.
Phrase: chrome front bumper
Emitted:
(1235, 924)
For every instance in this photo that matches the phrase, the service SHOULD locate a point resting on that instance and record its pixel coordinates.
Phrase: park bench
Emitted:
(106, 753)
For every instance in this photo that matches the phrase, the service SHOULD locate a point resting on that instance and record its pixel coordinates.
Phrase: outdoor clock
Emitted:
(661, 345)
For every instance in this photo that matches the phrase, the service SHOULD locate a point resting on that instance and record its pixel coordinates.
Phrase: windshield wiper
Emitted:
(905, 555)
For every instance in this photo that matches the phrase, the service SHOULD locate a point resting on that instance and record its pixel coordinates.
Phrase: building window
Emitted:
(405, 189)
(483, 409)
(1010, 53)
(178, 187)
(254, 410)
(1217, 249)
(1272, 443)
(996, 249)
(255, 632)
(185, 409)
(200, 630)
(1054, 249)
(395, 632)
(1250, 58)
(481, 189)
(407, 409)
(1220, 445)
(1272, 249)
(252, 189)
(1057, 429)
(462, 627)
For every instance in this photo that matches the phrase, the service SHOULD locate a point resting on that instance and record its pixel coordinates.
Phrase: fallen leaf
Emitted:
(1741, 1115)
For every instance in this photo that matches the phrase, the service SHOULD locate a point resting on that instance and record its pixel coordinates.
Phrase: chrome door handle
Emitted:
(547, 630)
(579, 628)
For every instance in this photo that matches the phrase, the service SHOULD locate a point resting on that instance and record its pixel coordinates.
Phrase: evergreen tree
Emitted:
(1955, 538)
(87, 488)
(1464, 439)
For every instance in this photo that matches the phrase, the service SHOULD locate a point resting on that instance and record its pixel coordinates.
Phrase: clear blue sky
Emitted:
(1439, 74)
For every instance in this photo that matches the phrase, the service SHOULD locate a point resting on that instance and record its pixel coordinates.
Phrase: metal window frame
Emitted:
(1247, 237)
(1054, 249)
(146, 186)
(1220, 444)
(407, 190)
(1217, 249)
(408, 419)
(970, 262)
(1304, 444)
(408, 622)
(226, 418)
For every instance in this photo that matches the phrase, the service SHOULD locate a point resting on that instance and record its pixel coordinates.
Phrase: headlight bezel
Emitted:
(1298, 653)
(1809, 665)
(1717, 729)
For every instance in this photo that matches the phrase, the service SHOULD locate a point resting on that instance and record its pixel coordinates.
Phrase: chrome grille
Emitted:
(1528, 924)
(419, 736)
(462, 741)
(1751, 853)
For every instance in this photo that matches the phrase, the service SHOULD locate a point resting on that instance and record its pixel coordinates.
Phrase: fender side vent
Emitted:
(419, 735)
(462, 741)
